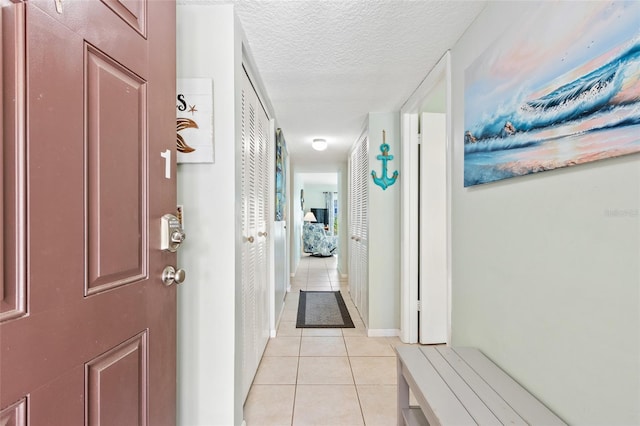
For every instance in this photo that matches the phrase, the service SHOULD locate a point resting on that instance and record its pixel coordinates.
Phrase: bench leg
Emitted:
(403, 394)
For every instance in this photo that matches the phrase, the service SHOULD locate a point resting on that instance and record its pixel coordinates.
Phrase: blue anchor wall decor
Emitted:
(384, 181)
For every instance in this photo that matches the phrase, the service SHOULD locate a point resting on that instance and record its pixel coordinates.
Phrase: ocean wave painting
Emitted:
(562, 88)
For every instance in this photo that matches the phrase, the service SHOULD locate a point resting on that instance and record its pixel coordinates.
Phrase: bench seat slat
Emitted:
(474, 405)
(489, 397)
(525, 404)
(439, 404)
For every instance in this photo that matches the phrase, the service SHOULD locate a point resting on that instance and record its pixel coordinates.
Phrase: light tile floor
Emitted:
(327, 377)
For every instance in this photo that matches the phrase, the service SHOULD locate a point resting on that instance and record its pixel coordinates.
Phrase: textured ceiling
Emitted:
(326, 63)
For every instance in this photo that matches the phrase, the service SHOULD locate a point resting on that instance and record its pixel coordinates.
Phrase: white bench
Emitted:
(461, 386)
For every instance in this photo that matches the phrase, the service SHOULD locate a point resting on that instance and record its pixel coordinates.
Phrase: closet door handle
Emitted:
(249, 239)
(262, 234)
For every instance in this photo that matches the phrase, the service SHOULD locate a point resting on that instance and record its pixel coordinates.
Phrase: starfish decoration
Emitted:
(192, 109)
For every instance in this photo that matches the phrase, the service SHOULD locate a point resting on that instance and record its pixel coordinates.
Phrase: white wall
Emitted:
(343, 221)
(295, 221)
(314, 197)
(384, 228)
(545, 277)
(209, 46)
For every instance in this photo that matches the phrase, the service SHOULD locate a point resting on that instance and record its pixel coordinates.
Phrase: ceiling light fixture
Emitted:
(319, 144)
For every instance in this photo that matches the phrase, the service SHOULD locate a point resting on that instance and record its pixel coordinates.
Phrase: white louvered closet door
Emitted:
(359, 226)
(255, 164)
(353, 247)
(264, 170)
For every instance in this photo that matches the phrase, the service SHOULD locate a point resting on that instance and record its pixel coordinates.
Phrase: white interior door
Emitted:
(358, 228)
(433, 280)
(256, 192)
(410, 161)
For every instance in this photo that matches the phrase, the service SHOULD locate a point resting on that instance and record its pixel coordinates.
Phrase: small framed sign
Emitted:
(194, 112)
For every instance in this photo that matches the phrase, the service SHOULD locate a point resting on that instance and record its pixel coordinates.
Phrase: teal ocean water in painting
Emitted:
(592, 117)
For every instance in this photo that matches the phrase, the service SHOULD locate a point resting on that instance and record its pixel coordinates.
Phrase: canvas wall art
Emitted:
(194, 120)
(560, 88)
(281, 176)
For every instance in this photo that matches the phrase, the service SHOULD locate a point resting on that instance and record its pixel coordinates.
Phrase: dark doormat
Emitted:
(322, 309)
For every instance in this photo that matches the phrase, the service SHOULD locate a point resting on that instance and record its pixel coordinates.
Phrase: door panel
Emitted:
(105, 28)
(433, 230)
(116, 142)
(13, 261)
(15, 414)
(84, 214)
(117, 385)
(133, 12)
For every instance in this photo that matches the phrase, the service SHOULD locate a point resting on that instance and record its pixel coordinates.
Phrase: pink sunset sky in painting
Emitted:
(565, 75)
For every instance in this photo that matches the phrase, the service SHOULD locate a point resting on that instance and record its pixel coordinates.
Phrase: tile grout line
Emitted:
(353, 376)
(295, 389)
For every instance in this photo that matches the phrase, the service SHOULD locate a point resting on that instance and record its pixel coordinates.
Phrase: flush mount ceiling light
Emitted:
(319, 144)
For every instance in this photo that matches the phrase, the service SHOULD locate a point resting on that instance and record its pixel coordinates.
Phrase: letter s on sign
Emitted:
(182, 106)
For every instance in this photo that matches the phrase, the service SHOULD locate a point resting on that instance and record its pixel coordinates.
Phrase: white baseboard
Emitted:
(342, 275)
(383, 332)
(274, 331)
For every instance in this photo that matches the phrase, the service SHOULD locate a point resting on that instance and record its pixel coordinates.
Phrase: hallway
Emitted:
(329, 377)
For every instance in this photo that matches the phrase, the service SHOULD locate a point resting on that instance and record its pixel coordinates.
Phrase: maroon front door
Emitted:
(87, 327)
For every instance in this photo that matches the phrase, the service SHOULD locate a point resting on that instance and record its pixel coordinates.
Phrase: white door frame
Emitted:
(409, 114)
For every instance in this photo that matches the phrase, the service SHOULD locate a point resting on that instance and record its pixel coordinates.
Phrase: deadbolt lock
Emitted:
(171, 233)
